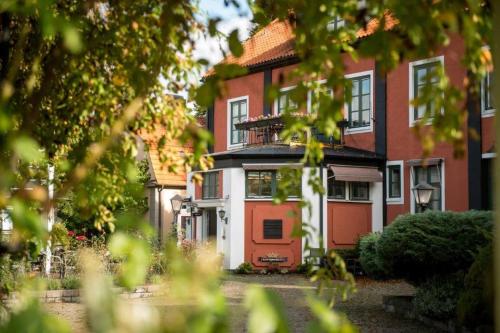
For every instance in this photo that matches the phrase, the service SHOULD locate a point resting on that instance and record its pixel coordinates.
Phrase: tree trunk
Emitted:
(496, 167)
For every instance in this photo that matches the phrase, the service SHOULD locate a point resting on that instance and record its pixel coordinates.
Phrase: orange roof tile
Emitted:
(277, 41)
(159, 172)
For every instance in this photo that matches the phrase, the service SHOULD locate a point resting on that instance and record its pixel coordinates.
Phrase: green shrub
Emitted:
(305, 268)
(418, 246)
(368, 256)
(70, 282)
(475, 305)
(244, 268)
(437, 298)
(53, 284)
(12, 273)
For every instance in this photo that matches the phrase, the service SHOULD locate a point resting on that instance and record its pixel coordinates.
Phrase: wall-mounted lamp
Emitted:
(222, 214)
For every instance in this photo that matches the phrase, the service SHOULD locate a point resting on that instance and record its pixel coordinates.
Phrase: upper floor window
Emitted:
(285, 101)
(264, 184)
(359, 108)
(210, 185)
(336, 23)
(487, 107)
(394, 181)
(422, 74)
(238, 112)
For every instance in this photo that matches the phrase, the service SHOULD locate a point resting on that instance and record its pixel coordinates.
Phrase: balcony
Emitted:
(266, 130)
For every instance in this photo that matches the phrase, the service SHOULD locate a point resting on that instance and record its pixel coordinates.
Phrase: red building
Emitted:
(368, 176)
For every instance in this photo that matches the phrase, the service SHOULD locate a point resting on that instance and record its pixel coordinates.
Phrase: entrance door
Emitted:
(211, 224)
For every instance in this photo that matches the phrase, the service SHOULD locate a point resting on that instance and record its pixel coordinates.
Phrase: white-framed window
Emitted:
(210, 187)
(285, 101)
(487, 108)
(337, 23)
(347, 191)
(394, 182)
(359, 109)
(237, 111)
(421, 73)
(434, 176)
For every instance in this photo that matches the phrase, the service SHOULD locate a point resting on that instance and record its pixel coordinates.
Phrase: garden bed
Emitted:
(403, 305)
(73, 295)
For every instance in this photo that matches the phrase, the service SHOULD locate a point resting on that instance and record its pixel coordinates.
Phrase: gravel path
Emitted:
(363, 308)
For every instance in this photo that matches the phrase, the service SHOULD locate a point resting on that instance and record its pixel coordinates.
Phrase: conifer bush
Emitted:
(416, 247)
(368, 256)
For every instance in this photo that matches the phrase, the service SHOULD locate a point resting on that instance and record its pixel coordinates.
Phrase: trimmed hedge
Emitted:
(368, 256)
(416, 247)
(437, 298)
(475, 305)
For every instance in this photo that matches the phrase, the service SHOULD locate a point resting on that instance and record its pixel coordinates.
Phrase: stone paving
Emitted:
(364, 308)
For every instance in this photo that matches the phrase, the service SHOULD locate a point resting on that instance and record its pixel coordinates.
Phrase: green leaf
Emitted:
(27, 149)
(234, 44)
(135, 255)
(266, 313)
(72, 40)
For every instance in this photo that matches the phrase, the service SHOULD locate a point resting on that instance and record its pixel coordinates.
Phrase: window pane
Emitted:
(243, 110)
(253, 184)
(339, 189)
(355, 104)
(365, 118)
(365, 102)
(355, 87)
(394, 181)
(266, 183)
(359, 191)
(365, 88)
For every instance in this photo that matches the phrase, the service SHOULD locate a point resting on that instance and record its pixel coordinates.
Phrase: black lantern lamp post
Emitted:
(423, 194)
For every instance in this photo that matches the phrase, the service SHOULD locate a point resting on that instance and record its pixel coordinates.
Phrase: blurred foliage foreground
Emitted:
(79, 85)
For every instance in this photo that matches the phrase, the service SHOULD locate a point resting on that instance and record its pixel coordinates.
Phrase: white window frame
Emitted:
(401, 199)
(275, 106)
(228, 120)
(485, 113)
(489, 155)
(443, 186)
(364, 129)
(411, 84)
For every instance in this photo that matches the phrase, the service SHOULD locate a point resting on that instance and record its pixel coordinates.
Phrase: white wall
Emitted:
(235, 211)
(377, 196)
(325, 208)
(313, 220)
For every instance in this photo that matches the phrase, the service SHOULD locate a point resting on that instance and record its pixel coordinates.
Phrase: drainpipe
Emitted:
(160, 229)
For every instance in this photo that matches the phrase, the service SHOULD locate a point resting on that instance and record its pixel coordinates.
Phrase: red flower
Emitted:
(71, 233)
(81, 237)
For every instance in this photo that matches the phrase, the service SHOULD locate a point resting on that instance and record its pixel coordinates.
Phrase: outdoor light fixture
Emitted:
(176, 202)
(222, 214)
(423, 194)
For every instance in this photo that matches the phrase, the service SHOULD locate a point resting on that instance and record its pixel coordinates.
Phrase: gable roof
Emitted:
(276, 42)
(159, 173)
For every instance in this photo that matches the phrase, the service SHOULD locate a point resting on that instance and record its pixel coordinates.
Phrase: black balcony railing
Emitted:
(267, 131)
